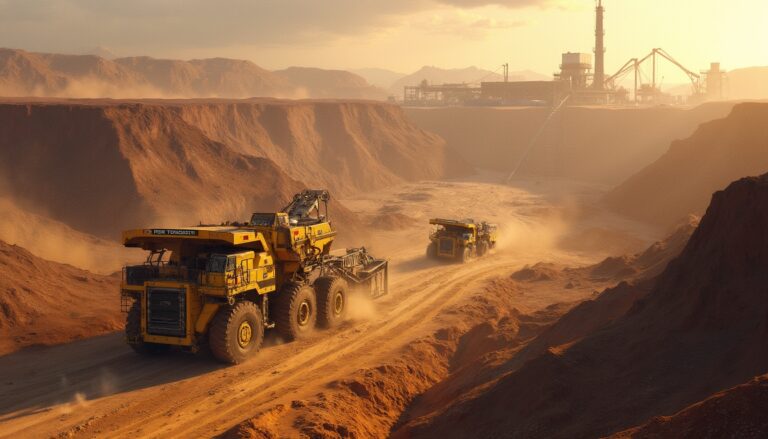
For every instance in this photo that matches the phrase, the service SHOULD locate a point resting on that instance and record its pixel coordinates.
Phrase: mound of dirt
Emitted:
(101, 167)
(391, 221)
(701, 328)
(597, 145)
(537, 273)
(611, 270)
(738, 412)
(682, 180)
(650, 262)
(46, 303)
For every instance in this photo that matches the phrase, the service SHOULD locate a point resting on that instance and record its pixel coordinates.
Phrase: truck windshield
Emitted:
(263, 219)
(220, 263)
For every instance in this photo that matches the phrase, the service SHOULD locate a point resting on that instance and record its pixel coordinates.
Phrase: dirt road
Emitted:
(99, 388)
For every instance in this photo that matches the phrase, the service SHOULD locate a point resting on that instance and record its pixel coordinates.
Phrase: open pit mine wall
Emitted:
(597, 145)
(682, 180)
(103, 166)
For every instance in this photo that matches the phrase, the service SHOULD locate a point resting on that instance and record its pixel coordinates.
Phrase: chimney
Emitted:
(599, 81)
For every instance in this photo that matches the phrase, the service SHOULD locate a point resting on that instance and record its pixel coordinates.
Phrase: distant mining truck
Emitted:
(220, 287)
(460, 240)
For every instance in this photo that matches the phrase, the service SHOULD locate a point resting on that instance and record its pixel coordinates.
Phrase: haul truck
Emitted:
(460, 239)
(220, 287)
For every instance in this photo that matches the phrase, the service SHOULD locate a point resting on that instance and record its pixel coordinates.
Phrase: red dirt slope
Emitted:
(104, 168)
(683, 179)
(700, 329)
(45, 303)
(738, 412)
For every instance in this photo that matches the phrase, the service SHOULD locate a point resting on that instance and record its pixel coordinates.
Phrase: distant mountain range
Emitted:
(101, 74)
(379, 77)
(747, 83)
(25, 73)
(467, 75)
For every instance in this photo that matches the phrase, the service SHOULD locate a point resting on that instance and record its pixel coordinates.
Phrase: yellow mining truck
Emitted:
(460, 239)
(220, 287)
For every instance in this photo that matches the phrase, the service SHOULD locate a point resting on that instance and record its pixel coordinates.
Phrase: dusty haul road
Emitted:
(100, 388)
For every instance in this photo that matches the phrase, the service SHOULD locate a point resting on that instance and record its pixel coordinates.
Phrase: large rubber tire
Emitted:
(432, 250)
(482, 248)
(236, 332)
(133, 334)
(295, 311)
(332, 301)
(465, 255)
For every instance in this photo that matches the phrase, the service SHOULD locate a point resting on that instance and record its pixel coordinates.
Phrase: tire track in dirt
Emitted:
(412, 312)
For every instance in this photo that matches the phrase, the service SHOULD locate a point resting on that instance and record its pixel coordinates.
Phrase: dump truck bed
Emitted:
(467, 224)
(231, 235)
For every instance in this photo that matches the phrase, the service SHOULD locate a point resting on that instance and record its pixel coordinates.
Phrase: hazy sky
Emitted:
(401, 35)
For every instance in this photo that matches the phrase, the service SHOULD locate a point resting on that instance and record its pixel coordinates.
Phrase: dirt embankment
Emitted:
(701, 328)
(588, 144)
(46, 303)
(348, 147)
(104, 166)
(682, 180)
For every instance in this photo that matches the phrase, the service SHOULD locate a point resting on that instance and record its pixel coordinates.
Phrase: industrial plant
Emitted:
(579, 81)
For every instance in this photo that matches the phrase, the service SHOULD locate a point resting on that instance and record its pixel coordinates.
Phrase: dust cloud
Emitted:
(361, 306)
(58, 242)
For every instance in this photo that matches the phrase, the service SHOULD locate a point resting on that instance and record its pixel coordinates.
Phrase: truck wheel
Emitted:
(482, 248)
(432, 251)
(236, 332)
(332, 301)
(133, 334)
(295, 311)
(465, 255)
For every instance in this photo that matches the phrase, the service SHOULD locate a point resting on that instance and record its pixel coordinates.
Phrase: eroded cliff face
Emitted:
(104, 166)
(345, 146)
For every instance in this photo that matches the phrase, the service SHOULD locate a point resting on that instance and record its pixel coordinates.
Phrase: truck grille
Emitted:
(166, 312)
(446, 246)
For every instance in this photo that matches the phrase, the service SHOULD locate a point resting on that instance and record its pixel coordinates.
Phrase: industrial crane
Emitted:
(635, 64)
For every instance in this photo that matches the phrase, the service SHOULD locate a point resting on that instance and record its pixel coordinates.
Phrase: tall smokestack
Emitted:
(599, 47)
